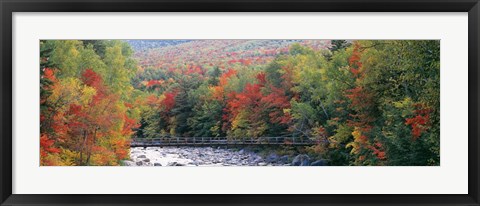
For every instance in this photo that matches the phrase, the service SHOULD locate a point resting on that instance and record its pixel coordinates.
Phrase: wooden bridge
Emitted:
(218, 141)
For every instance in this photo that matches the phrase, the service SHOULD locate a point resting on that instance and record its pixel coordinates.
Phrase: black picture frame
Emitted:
(7, 7)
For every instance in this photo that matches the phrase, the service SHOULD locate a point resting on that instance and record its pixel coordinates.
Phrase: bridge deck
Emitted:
(216, 141)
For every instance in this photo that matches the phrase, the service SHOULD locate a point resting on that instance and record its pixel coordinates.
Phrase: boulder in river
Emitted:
(305, 161)
(128, 163)
(157, 164)
(142, 156)
(321, 162)
(175, 164)
(283, 159)
(301, 160)
(146, 160)
(193, 163)
(139, 163)
(297, 161)
(272, 158)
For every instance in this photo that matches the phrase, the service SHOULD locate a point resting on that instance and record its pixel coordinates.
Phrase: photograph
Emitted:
(239, 102)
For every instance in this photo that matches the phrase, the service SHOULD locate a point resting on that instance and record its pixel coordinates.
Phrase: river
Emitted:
(201, 156)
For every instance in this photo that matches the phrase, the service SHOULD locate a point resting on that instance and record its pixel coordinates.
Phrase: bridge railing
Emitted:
(220, 141)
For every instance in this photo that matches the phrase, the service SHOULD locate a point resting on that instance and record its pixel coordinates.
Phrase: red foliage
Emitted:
(276, 101)
(251, 95)
(287, 78)
(194, 70)
(169, 101)
(74, 109)
(249, 98)
(261, 78)
(58, 125)
(361, 99)
(378, 150)
(362, 102)
(257, 104)
(225, 76)
(46, 146)
(420, 122)
(354, 60)
(92, 79)
(49, 74)
(129, 124)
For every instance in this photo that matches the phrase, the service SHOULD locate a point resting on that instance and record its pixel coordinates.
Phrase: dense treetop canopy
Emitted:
(369, 102)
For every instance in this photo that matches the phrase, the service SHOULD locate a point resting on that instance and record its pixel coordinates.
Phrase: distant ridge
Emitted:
(222, 53)
(142, 45)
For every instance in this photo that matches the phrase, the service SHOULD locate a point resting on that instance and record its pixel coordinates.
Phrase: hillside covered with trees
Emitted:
(369, 102)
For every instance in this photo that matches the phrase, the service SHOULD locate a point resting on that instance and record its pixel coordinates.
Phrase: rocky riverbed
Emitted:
(208, 156)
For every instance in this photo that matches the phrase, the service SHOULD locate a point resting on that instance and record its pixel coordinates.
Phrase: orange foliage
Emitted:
(129, 124)
(152, 83)
(219, 90)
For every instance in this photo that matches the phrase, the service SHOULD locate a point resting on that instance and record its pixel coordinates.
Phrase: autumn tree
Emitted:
(84, 121)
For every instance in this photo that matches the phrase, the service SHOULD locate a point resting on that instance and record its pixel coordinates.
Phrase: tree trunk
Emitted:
(324, 110)
(83, 146)
(90, 148)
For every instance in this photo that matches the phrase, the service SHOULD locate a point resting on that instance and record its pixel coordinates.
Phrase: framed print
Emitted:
(246, 103)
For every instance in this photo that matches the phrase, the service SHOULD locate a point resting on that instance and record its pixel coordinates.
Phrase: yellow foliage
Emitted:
(71, 91)
(69, 157)
(51, 160)
(357, 136)
(407, 102)
(87, 95)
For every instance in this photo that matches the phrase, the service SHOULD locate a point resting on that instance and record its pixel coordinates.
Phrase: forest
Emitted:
(364, 102)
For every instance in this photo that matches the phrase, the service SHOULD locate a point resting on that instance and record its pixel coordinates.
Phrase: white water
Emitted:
(193, 156)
